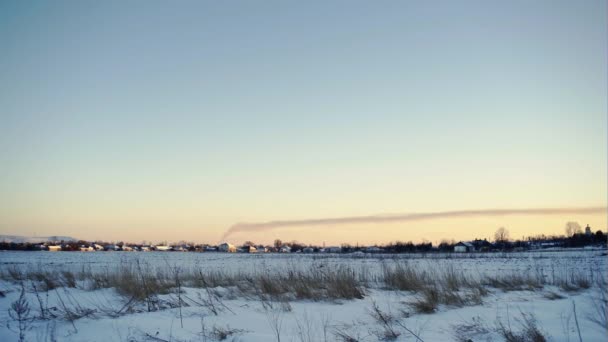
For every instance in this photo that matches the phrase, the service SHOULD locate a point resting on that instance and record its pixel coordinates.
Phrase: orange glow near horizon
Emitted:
(433, 230)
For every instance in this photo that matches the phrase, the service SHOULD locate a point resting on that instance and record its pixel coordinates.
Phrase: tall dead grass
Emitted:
(140, 281)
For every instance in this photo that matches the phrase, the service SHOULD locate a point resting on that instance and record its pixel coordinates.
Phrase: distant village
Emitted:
(501, 243)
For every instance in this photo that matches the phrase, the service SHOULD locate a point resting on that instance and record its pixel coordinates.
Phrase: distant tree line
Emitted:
(575, 238)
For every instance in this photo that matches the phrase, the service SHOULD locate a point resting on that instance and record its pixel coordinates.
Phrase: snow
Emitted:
(306, 320)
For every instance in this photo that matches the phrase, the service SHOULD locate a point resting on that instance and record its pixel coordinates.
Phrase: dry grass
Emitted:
(514, 282)
(403, 277)
(528, 332)
(428, 301)
(599, 300)
(523, 329)
(142, 286)
(312, 284)
(466, 331)
(386, 321)
(575, 281)
(448, 286)
(550, 295)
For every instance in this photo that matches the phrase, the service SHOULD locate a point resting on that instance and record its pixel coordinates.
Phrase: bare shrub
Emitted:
(14, 274)
(70, 309)
(212, 301)
(19, 312)
(551, 295)
(50, 332)
(48, 281)
(42, 304)
(386, 322)
(428, 301)
(305, 328)
(219, 333)
(599, 315)
(529, 331)
(345, 333)
(274, 316)
(466, 331)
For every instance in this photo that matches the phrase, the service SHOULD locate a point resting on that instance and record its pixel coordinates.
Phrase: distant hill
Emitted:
(30, 239)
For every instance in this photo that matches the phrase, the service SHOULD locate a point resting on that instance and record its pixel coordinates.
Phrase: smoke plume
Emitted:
(272, 225)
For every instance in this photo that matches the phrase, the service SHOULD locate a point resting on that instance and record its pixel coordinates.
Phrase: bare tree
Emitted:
(573, 228)
(501, 235)
(278, 243)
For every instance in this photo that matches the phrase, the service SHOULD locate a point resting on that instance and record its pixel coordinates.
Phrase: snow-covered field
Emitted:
(269, 297)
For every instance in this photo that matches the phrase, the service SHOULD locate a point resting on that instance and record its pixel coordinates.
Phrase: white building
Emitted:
(227, 248)
(463, 247)
(373, 249)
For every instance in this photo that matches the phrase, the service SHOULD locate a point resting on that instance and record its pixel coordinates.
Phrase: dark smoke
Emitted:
(270, 225)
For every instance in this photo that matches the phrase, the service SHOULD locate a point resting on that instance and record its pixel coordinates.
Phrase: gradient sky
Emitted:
(156, 120)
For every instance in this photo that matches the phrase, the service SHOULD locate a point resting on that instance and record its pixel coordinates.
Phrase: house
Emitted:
(250, 249)
(549, 244)
(54, 248)
(84, 248)
(308, 250)
(482, 245)
(127, 248)
(98, 247)
(464, 247)
(373, 249)
(146, 248)
(331, 250)
(181, 248)
(164, 248)
(111, 248)
(285, 249)
(227, 248)
(262, 249)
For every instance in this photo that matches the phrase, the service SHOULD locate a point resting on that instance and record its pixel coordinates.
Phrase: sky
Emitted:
(165, 121)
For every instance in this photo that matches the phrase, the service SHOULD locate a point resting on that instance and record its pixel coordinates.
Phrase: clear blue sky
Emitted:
(164, 120)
